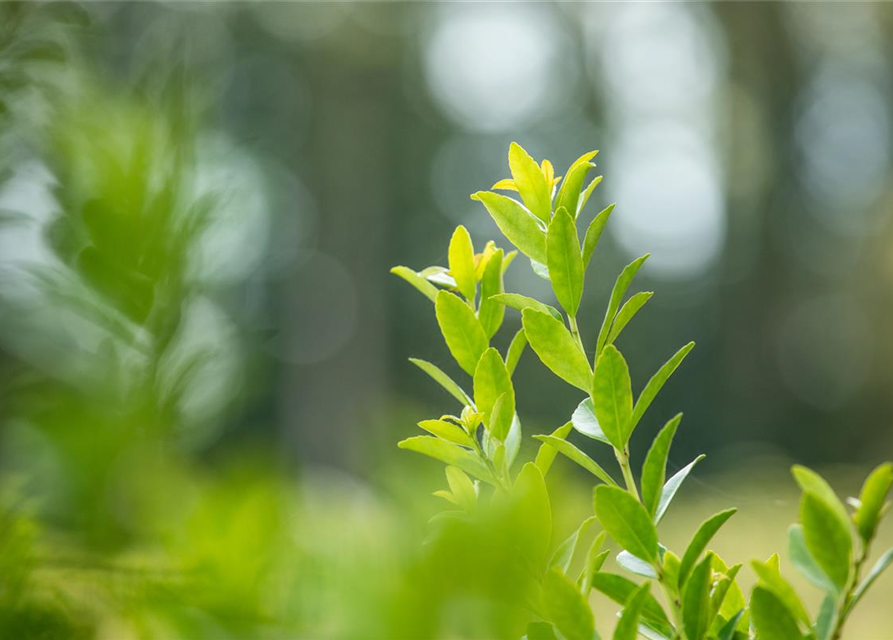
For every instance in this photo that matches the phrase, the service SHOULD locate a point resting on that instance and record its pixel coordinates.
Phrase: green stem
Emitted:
(575, 331)
(848, 598)
(623, 461)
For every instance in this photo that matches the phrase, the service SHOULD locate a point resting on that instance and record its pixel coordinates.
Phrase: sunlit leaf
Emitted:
(566, 448)
(492, 381)
(700, 541)
(516, 224)
(417, 281)
(771, 618)
(802, 559)
(594, 233)
(564, 554)
(569, 193)
(628, 625)
(461, 260)
(612, 396)
(462, 488)
(491, 312)
(532, 186)
(515, 350)
(450, 454)
(626, 520)
(530, 518)
(770, 578)
(620, 286)
(654, 469)
(546, 454)
(871, 500)
(584, 197)
(566, 607)
(443, 380)
(627, 312)
(879, 567)
(446, 430)
(620, 589)
(506, 184)
(519, 302)
(829, 541)
(696, 600)
(556, 348)
(636, 565)
(656, 383)
(461, 330)
(565, 261)
(672, 486)
(585, 422)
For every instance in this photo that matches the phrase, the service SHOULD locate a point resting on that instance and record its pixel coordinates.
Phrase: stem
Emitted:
(848, 598)
(623, 460)
(575, 331)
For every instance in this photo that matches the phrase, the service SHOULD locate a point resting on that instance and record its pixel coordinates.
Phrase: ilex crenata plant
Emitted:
(690, 593)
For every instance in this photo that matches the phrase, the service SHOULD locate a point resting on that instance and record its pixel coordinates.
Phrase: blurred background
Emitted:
(203, 357)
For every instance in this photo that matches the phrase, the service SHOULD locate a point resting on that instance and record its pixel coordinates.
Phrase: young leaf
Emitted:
(461, 260)
(700, 541)
(462, 488)
(512, 438)
(594, 233)
(446, 430)
(449, 453)
(463, 333)
(883, 562)
(636, 565)
(556, 347)
(827, 619)
(443, 380)
(771, 618)
(519, 302)
(654, 471)
(491, 312)
(656, 383)
(491, 380)
(572, 452)
(516, 348)
(627, 312)
(626, 520)
(770, 578)
(804, 562)
(620, 286)
(416, 280)
(584, 197)
(871, 500)
(628, 625)
(585, 422)
(620, 590)
(564, 554)
(696, 600)
(672, 486)
(828, 540)
(612, 396)
(568, 610)
(811, 482)
(516, 224)
(546, 454)
(569, 193)
(530, 182)
(564, 261)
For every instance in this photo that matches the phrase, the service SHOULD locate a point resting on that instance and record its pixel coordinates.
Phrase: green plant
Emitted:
(698, 593)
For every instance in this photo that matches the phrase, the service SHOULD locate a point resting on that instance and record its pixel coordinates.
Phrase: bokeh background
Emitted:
(203, 367)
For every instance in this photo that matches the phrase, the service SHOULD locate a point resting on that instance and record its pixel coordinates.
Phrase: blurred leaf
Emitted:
(626, 520)
(672, 486)
(804, 562)
(519, 302)
(491, 312)
(556, 348)
(516, 224)
(811, 482)
(770, 617)
(700, 541)
(564, 554)
(612, 396)
(443, 380)
(506, 184)
(585, 422)
(656, 383)
(462, 487)
(461, 259)
(620, 286)
(871, 500)
(569, 193)
(567, 608)
(449, 453)
(546, 454)
(827, 538)
(460, 328)
(540, 631)
(531, 515)
(879, 567)
(770, 578)
(728, 629)
(535, 191)
(627, 312)
(655, 468)
(628, 625)
(572, 452)
(594, 233)
(620, 590)
(564, 261)
(827, 619)
(446, 430)
(696, 600)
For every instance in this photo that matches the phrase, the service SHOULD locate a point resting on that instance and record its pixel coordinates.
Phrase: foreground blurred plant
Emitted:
(700, 594)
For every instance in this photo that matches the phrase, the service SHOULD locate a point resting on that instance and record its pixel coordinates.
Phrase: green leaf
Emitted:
(490, 311)
(540, 269)
(462, 487)
(620, 286)
(516, 348)
(770, 617)
(656, 383)
(564, 261)
(519, 302)
(463, 333)
(627, 312)
(446, 430)
(804, 562)
(871, 500)
(827, 619)
(700, 541)
(636, 565)
(461, 260)
(572, 452)
(585, 422)
(529, 516)
(516, 224)
(654, 471)
(595, 560)
(530, 182)
(546, 454)
(566, 607)
(620, 590)
(556, 348)
(811, 482)
(540, 631)
(672, 486)
(416, 280)
(512, 439)
(564, 554)
(883, 562)
(612, 396)
(770, 578)
(628, 625)
(443, 380)
(492, 380)
(594, 233)
(569, 192)
(829, 541)
(584, 197)
(696, 600)
(728, 629)
(626, 520)
(449, 453)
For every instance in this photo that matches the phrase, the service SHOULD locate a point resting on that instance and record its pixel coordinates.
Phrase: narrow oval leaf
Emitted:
(805, 563)
(700, 541)
(770, 578)
(770, 617)
(612, 396)
(871, 500)
(584, 197)
(635, 565)
(883, 562)
(515, 350)
(566, 448)
(727, 632)
(556, 348)
(512, 439)
(696, 600)
(585, 422)
(462, 488)
(827, 619)
(811, 482)
(461, 330)
(628, 625)
(491, 380)
(569, 193)
(565, 261)
(449, 453)
(654, 471)
(627, 312)
(564, 554)
(519, 302)
(530, 518)
(546, 454)
(461, 260)
(620, 286)
(443, 380)
(828, 540)
(416, 280)
(566, 607)
(446, 430)
(528, 177)
(516, 224)
(656, 383)
(594, 233)
(491, 312)
(626, 520)
(672, 486)
(620, 589)
(595, 560)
